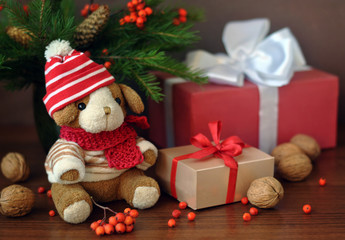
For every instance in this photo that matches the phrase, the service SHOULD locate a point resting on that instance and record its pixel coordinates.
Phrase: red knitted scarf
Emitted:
(119, 146)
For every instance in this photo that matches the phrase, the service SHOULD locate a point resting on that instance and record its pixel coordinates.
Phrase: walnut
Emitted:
(308, 145)
(284, 150)
(295, 167)
(14, 167)
(16, 201)
(265, 192)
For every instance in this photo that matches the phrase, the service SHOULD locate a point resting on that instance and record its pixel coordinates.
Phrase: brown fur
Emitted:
(71, 175)
(122, 187)
(133, 99)
(65, 195)
(68, 116)
(150, 157)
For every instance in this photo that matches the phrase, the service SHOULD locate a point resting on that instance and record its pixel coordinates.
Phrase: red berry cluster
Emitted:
(182, 17)
(85, 11)
(177, 213)
(252, 211)
(120, 223)
(137, 13)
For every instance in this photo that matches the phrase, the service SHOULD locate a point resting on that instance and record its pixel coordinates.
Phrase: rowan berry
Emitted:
(176, 213)
(109, 229)
(94, 7)
(253, 211)
(107, 64)
(132, 18)
(182, 19)
(176, 21)
(120, 217)
(94, 225)
(307, 208)
(127, 210)
(140, 25)
(322, 181)
(142, 13)
(130, 5)
(140, 20)
(122, 21)
(49, 193)
(182, 12)
(129, 228)
(100, 222)
(120, 228)
(134, 213)
(52, 213)
(26, 9)
(171, 223)
(127, 19)
(191, 216)
(41, 190)
(87, 6)
(148, 11)
(140, 6)
(100, 230)
(128, 220)
(244, 200)
(135, 2)
(182, 205)
(246, 217)
(84, 12)
(112, 220)
(1, 7)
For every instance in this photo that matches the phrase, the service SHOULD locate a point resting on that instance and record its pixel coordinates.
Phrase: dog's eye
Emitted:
(81, 106)
(118, 100)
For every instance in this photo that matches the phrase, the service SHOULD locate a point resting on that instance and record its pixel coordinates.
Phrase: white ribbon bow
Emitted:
(269, 61)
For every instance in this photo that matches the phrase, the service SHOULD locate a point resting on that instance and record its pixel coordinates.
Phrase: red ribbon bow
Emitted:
(226, 150)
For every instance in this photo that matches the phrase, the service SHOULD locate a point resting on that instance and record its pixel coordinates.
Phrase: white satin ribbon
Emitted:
(269, 61)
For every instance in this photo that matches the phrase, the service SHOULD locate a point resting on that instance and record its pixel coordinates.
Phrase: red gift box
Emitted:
(307, 105)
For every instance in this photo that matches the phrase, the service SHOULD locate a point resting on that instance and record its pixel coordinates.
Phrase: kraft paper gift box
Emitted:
(308, 104)
(207, 174)
(204, 183)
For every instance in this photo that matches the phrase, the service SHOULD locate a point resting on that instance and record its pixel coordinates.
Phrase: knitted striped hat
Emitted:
(70, 76)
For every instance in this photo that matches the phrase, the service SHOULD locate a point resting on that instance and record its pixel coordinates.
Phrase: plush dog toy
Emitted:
(99, 153)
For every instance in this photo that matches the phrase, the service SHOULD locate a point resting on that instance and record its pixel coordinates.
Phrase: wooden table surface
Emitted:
(286, 221)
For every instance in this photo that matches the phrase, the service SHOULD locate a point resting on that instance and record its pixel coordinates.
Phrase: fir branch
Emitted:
(176, 68)
(148, 83)
(41, 16)
(2, 61)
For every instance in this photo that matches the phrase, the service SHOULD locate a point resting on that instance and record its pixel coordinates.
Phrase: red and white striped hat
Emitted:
(70, 76)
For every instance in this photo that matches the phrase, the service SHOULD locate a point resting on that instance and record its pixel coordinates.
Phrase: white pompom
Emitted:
(57, 47)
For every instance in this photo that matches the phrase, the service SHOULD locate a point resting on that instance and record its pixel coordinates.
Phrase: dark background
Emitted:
(319, 26)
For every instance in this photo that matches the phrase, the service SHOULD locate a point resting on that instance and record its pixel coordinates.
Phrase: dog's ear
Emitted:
(66, 116)
(132, 98)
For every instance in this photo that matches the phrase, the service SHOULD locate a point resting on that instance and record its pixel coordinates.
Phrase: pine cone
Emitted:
(19, 35)
(87, 31)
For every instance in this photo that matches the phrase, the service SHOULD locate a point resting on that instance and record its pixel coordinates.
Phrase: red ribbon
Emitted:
(226, 150)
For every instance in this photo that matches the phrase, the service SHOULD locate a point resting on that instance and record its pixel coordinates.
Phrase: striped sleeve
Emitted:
(62, 157)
